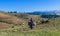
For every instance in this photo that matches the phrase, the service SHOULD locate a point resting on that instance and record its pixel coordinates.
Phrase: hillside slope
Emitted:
(10, 19)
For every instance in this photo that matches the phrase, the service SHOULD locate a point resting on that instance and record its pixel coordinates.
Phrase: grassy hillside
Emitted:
(10, 19)
(14, 25)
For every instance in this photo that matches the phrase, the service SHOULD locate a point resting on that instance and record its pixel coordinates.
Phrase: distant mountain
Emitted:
(46, 14)
(43, 13)
(56, 12)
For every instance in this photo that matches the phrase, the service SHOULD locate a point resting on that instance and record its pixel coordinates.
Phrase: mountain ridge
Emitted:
(45, 13)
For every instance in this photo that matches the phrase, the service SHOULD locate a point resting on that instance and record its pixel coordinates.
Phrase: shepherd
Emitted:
(31, 24)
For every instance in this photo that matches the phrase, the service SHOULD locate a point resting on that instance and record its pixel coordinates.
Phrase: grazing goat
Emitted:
(44, 21)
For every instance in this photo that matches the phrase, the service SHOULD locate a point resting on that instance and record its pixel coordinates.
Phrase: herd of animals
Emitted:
(31, 22)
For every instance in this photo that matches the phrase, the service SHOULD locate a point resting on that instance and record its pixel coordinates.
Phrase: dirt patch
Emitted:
(5, 25)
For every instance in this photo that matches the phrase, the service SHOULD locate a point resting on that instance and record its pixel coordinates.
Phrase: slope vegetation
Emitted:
(8, 19)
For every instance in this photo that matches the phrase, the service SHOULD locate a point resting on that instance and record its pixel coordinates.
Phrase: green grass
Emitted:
(50, 29)
(32, 33)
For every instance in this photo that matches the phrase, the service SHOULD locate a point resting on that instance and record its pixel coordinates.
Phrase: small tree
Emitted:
(15, 11)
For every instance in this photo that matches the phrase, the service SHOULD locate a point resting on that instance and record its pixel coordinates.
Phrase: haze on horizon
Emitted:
(29, 5)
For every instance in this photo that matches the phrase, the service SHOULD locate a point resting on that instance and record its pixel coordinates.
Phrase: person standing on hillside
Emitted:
(31, 23)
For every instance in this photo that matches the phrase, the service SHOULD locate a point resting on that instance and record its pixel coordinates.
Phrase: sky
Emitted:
(29, 5)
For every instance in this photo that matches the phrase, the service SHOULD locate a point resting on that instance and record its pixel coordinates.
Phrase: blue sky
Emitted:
(29, 5)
